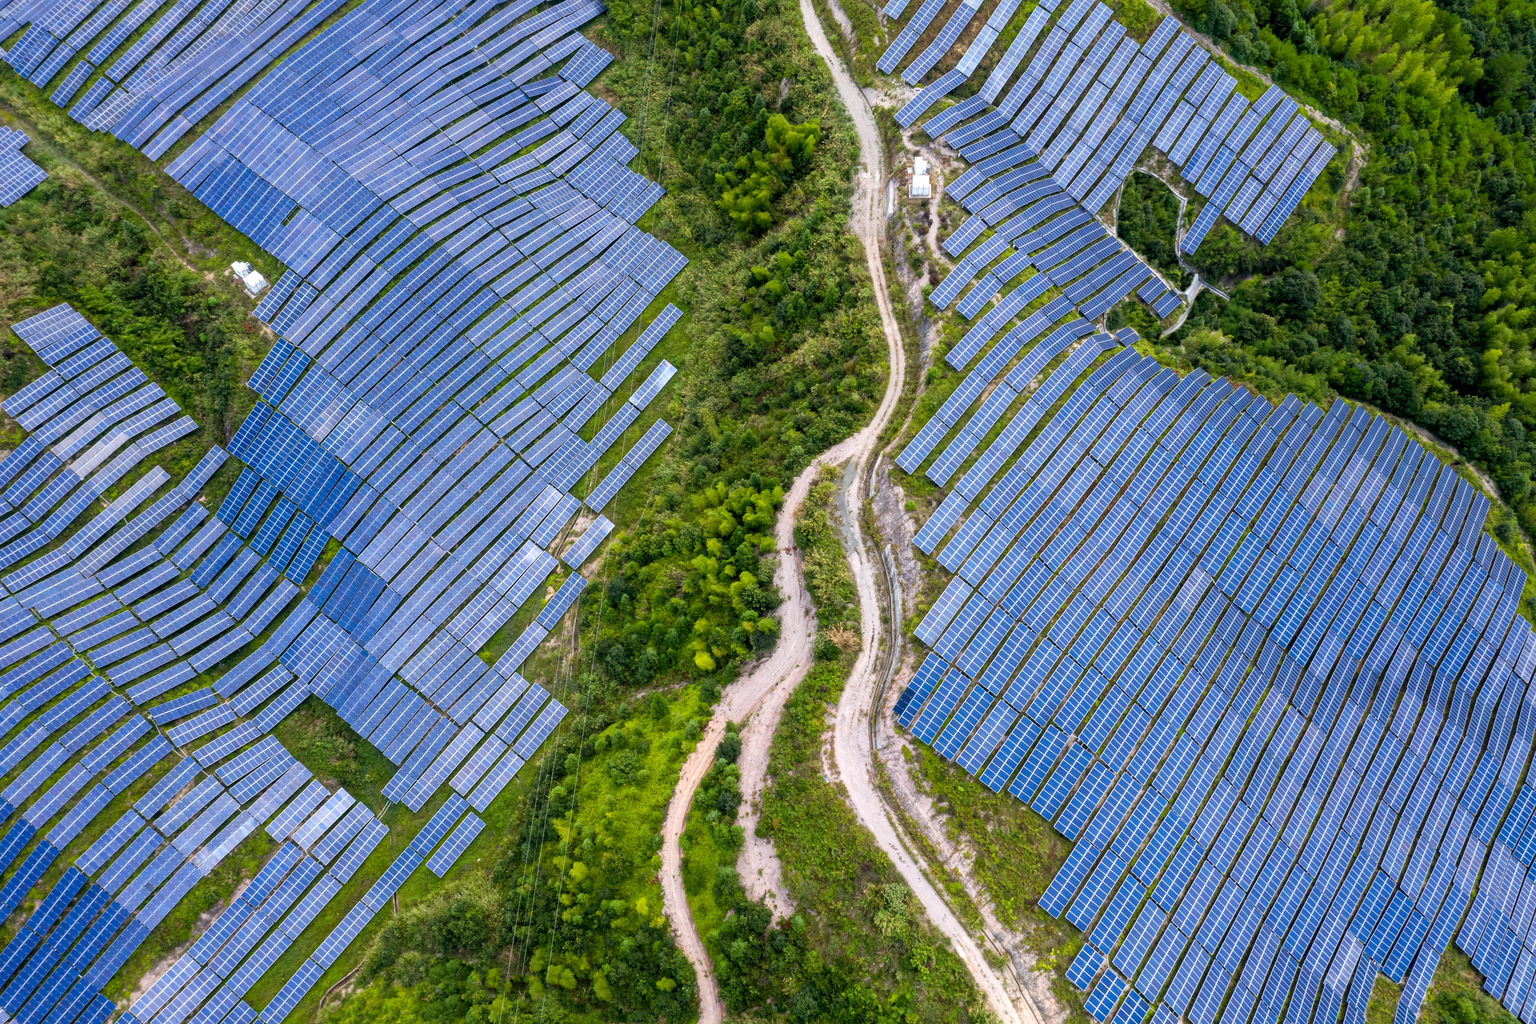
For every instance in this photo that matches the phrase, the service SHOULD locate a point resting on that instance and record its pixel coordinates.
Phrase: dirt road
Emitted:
(758, 697)
(853, 765)
(853, 759)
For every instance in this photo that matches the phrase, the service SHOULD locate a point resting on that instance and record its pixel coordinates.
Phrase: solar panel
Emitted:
(495, 780)
(311, 797)
(595, 533)
(454, 846)
(358, 850)
(18, 175)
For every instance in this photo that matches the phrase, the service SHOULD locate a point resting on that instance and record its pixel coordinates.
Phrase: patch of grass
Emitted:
(1382, 1006)
(711, 842)
(315, 734)
(827, 577)
(1456, 994)
(1138, 17)
(1017, 851)
(1249, 84)
(848, 891)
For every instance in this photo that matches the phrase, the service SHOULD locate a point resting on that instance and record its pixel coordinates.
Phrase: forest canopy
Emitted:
(1417, 294)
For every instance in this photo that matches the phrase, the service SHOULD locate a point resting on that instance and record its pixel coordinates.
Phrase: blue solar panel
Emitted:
(367, 387)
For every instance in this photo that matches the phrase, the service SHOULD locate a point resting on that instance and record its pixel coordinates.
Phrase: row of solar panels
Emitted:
(139, 592)
(630, 462)
(83, 930)
(282, 90)
(1088, 102)
(18, 175)
(1261, 663)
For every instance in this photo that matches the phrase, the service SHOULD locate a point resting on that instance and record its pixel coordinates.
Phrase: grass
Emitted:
(1015, 854)
(838, 877)
(711, 843)
(1456, 994)
(1249, 84)
(315, 735)
(1382, 1005)
(703, 857)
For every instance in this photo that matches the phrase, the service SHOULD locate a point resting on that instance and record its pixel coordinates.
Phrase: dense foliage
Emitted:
(690, 591)
(1148, 221)
(781, 354)
(827, 577)
(1424, 303)
(570, 915)
(749, 188)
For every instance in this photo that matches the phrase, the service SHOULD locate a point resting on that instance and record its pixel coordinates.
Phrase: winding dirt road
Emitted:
(853, 759)
(759, 696)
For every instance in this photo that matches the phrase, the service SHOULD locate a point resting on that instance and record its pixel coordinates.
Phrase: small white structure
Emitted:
(255, 284)
(921, 189)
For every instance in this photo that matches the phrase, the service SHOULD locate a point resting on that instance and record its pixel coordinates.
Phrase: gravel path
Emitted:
(852, 758)
(759, 696)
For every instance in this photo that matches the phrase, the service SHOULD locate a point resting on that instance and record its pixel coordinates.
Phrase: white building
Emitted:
(255, 284)
(920, 189)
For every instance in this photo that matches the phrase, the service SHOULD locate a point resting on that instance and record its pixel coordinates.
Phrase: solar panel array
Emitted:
(286, 896)
(140, 622)
(1260, 663)
(1058, 143)
(435, 439)
(148, 629)
(458, 223)
(18, 175)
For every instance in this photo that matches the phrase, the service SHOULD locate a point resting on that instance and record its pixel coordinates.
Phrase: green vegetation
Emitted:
(1423, 304)
(1016, 854)
(762, 967)
(827, 577)
(1138, 17)
(758, 177)
(1381, 1008)
(780, 355)
(711, 841)
(684, 591)
(1456, 994)
(570, 914)
(327, 746)
(1149, 221)
(869, 40)
(452, 991)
